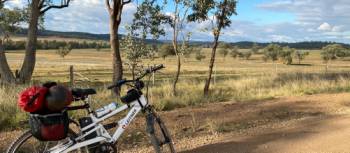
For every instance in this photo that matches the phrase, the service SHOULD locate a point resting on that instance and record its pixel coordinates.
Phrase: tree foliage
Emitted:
(286, 55)
(246, 55)
(255, 48)
(221, 11)
(300, 55)
(224, 50)
(10, 21)
(199, 55)
(333, 52)
(149, 19)
(166, 50)
(235, 52)
(63, 51)
(271, 52)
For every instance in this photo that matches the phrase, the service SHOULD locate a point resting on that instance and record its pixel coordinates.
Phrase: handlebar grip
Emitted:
(161, 66)
(118, 84)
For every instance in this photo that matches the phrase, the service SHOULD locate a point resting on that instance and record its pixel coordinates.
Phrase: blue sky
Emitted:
(257, 20)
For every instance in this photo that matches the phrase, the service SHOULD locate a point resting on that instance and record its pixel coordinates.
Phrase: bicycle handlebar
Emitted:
(146, 72)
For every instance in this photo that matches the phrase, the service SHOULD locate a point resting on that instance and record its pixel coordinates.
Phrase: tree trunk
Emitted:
(6, 76)
(177, 74)
(211, 65)
(178, 58)
(28, 65)
(115, 47)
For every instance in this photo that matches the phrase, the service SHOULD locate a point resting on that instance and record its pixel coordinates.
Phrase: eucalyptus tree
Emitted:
(224, 50)
(255, 48)
(235, 52)
(149, 21)
(115, 10)
(9, 22)
(300, 55)
(332, 52)
(134, 50)
(178, 24)
(272, 52)
(221, 12)
(286, 55)
(199, 55)
(34, 14)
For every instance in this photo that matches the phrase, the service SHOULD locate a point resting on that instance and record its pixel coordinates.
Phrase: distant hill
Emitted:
(242, 44)
(77, 35)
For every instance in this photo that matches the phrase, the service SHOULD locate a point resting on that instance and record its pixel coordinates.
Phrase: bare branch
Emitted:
(126, 2)
(108, 5)
(41, 4)
(3, 1)
(64, 3)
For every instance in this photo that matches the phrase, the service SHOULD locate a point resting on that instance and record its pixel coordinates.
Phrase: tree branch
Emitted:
(41, 4)
(108, 5)
(64, 3)
(3, 1)
(126, 2)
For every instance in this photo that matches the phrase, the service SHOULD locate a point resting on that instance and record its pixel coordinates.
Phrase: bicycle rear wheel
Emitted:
(27, 143)
(159, 134)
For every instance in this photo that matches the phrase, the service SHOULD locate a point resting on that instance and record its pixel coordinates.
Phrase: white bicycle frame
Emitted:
(102, 134)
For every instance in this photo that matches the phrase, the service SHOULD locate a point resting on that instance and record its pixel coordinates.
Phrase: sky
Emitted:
(257, 20)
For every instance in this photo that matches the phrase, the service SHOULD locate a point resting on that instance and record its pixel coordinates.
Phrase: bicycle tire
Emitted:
(159, 134)
(15, 145)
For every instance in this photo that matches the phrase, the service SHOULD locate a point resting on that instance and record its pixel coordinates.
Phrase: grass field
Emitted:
(235, 79)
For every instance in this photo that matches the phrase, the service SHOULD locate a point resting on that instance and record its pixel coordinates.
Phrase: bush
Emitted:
(199, 55)
(166, 50)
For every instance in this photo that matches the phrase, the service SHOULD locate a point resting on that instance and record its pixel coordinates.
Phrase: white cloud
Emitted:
(325, 27)
(314, 20)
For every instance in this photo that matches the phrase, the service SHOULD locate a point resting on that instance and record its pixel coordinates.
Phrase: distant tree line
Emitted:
(53, 44)
(309, 45)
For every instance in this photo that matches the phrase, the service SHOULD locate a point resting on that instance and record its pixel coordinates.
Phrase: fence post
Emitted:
(71, 76)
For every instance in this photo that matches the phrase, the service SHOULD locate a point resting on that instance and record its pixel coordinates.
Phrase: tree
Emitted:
(246, 55)
(98, 47)
(332, 52)
(166, 50)
(34, 14)
(199, 55)
(300, 55)
(134, 49)
(235, 52)
(271, 52)
(286, 55)
(255, 48)
(115, 10)
(9, 22)
(64, 50)
(179, 16)
(224, 50)
(221, 11)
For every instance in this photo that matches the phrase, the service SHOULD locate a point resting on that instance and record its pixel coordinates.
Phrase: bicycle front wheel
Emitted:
(27, 143)
(159, 134)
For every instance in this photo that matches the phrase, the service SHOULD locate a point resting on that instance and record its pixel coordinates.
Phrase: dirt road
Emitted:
(326, 132)
(314, 135)
(305, 124)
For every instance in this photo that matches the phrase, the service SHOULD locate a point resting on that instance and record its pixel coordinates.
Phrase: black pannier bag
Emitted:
(49, 127)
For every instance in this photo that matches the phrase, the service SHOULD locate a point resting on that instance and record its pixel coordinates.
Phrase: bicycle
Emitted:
(94, 136)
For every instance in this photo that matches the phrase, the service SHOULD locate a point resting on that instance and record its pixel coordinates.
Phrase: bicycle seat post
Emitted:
(88, 102)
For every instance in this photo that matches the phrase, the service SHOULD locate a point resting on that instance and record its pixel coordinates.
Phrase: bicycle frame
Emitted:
(102, 133)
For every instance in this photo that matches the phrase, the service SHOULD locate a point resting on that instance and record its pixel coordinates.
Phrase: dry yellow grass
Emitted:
(235, 79)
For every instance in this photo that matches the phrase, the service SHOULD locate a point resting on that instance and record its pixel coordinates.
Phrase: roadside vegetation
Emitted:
(236, 79)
